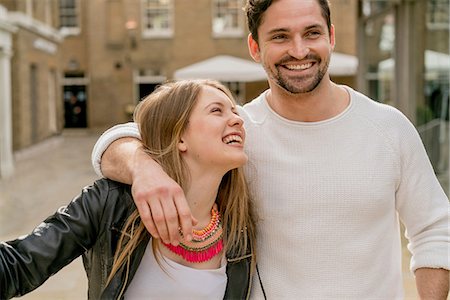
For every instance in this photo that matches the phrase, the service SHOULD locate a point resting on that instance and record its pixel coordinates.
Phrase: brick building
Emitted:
(86, 63)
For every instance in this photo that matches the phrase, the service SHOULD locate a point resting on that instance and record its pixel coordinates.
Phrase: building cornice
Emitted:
(5, 24)
(21, 20)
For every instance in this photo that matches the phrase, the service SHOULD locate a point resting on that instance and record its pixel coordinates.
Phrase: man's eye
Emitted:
(313, 34)
(279, 37)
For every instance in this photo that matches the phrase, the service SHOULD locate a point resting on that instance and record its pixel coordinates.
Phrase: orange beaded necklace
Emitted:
(206, 243)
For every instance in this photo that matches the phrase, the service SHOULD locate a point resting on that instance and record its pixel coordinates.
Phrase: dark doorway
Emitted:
(146, 88)
(75, 114)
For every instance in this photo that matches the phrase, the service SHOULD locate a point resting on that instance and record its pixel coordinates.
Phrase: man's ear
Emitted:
(332, 37)
(253, 48)
(182, 146)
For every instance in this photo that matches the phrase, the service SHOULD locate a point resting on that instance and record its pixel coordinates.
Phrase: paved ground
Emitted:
(47, 176)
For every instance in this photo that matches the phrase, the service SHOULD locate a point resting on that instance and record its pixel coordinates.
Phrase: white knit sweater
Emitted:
(330, 195)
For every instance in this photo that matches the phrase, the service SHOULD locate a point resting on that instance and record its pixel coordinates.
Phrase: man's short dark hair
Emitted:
(255, 9)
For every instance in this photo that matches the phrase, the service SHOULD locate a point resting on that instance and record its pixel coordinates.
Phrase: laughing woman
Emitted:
(192, 130)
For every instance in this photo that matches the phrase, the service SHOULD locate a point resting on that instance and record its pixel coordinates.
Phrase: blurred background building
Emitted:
(404, 61)
(87, 63)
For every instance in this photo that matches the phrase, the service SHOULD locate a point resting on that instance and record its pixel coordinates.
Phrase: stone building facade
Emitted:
(123, 49)
(35, 71)
(87, 63)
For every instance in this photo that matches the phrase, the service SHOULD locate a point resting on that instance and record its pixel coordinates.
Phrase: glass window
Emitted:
(379, 44)
(373, 7)
(157, 18)
(433, 117)
(238, 90)
(438, 14)
(68, 13)
(228, 18)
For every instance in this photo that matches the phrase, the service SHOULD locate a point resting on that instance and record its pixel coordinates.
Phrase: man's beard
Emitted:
(299, 85)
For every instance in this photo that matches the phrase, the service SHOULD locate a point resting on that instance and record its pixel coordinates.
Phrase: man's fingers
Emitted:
(184, 216)
(146, 217)
(159, 220)
(171, 215)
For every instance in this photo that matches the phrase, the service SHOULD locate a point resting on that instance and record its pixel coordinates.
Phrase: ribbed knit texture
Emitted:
(329, 196)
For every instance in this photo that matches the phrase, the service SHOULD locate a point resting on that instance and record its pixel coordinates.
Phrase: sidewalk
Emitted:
(48, 176)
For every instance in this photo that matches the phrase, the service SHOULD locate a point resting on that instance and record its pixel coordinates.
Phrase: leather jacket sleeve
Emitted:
(25, 263)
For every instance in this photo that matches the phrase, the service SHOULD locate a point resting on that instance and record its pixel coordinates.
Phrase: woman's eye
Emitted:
(216, 109)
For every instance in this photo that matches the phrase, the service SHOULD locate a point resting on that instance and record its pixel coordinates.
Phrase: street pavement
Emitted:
(48, 176)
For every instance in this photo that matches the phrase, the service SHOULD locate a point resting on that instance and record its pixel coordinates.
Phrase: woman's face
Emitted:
(214, 136)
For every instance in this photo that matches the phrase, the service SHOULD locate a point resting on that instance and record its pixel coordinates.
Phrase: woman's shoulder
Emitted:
(106, 186)
(107, 195)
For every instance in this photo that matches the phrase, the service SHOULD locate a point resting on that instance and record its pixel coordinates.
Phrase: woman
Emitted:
(192, 129)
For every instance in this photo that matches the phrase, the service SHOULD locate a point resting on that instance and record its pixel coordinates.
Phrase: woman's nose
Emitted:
(236, 121)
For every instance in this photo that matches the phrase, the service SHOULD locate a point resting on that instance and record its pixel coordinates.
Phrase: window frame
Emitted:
(158, 32)
(237, 31)
(438, 24)
(65, 29)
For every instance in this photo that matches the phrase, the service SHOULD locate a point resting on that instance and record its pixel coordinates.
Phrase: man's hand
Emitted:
(159, 199)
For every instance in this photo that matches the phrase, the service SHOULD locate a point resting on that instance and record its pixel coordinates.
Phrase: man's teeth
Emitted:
(232, 139)
(299, 67)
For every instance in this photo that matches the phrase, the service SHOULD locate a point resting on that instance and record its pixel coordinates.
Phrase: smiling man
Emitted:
(333, 173)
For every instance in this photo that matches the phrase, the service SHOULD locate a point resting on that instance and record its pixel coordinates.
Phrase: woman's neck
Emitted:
(201, 196)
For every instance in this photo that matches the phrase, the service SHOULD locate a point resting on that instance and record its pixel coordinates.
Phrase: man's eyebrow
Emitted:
(278, 30)
(314, 26)
(286, 30)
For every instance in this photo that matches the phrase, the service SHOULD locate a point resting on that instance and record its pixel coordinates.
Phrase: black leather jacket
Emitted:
(89, 226)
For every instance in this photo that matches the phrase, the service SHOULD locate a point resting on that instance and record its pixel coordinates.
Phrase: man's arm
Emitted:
(159, 199)
(432, 284)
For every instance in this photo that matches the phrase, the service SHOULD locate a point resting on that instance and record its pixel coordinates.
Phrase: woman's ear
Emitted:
(182, 146)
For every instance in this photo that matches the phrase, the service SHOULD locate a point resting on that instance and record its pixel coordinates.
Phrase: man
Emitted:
(332, 173)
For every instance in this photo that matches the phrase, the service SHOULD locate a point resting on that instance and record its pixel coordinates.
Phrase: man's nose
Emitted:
(298, 48)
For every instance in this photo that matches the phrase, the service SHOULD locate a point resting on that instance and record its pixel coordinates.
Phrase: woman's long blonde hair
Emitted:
(162, 118)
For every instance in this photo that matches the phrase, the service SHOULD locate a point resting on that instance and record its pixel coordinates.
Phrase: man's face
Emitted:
(294, 45)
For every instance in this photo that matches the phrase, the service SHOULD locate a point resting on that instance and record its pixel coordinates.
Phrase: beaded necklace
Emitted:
(205, 244)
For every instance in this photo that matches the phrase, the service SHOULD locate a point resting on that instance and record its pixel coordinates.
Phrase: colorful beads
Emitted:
(206, 243)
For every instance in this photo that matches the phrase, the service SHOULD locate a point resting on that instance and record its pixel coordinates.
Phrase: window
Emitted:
(438, 14)
(157, 18)
(68, 17)
(374, 7)
(228, 18)
(237, 89)
(34, 102)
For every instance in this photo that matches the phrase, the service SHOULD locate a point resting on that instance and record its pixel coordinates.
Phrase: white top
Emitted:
(330, 195)
(175, 281)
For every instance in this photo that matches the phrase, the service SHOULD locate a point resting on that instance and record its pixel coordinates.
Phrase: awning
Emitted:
(224, 68)
(227, 68)
(342, 64)
(434, 61)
